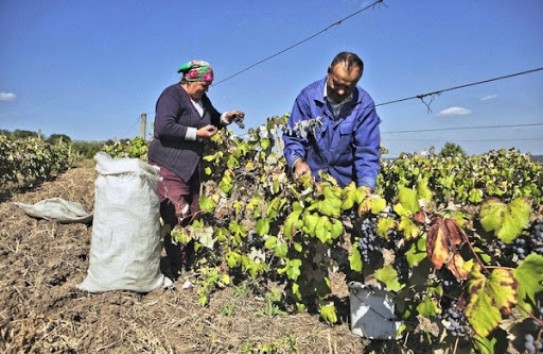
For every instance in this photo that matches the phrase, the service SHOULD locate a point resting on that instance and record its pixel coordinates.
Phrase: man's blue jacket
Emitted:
(347, 146)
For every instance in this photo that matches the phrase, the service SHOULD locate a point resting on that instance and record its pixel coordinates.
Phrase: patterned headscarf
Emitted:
(196, 70)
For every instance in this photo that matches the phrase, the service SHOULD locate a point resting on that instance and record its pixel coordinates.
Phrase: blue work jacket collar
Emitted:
(321, 102)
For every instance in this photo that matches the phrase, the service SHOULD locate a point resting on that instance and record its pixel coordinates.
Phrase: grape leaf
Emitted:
(441, 244)
(507, 221)
(389, 277)
(207, 205)
(355, 259)
(373, 204)
(384, 225)
(416, 252)
(530, 277)
(271, 242)
(262, 226)
(322, 230)
(348, 194)
(292, 222)
(280, 250)
(292, 268)
(475, 195)
(310, 220)
(408, 199)
(328, 313)
(233, 259)
(336, 229)
(428, 307)
(330, 207)
(408, 227)
(423, 191)
(485, 345)
(488, 297)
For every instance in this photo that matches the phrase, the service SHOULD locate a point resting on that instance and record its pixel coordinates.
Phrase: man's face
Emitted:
(341, 82)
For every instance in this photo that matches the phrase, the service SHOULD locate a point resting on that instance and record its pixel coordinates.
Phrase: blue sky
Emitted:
(88, 69)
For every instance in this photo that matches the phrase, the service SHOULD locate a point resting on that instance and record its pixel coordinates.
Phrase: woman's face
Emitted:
(196, 89)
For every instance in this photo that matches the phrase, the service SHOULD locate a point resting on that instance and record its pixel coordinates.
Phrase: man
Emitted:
(333, 127)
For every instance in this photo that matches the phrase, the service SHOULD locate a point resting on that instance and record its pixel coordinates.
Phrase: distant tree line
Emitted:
(86, 149)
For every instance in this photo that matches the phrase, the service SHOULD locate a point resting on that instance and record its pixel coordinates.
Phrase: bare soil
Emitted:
(43, 311)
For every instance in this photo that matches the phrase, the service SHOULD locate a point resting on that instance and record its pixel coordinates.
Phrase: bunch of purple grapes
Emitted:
(457, 322)
(522, 246)
(369, 243)
(531, 345)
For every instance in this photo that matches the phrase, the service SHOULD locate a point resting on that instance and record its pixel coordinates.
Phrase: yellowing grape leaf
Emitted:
(504, 289)
(507, 221)
(488, 297)
(441, 244)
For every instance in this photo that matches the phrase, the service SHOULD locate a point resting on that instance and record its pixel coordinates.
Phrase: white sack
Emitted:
(125, 245)
(57, 209)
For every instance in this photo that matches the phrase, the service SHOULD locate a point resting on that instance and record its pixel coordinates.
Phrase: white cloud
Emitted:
(455, 111)
(7, 96)
(488, 98)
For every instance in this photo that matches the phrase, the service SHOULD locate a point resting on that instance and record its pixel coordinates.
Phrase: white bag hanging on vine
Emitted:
(125, 245)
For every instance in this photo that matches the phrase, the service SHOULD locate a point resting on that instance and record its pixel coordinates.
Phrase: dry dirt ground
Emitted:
(42, 311)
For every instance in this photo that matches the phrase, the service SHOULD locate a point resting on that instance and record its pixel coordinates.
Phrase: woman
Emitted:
(185, 119)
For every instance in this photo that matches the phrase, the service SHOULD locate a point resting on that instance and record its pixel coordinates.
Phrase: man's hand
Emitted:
(301, 168)
(206, 132)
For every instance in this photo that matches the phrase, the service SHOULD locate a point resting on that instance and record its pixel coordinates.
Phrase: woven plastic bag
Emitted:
(125, 245)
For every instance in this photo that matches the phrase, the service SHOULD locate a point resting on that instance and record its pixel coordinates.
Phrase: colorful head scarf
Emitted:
(196, 70)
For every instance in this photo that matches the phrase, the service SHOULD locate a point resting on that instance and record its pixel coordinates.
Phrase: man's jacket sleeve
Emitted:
(295, 143)
(367, 143)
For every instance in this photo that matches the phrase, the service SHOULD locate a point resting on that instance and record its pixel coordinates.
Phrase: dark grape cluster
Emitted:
(522, 246)
(535, 236)
(448, 281)
(402, 267)
(370, 244)
(531, 345)
(457, 322)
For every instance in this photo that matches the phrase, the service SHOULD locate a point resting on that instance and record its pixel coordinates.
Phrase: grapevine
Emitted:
(444, 233)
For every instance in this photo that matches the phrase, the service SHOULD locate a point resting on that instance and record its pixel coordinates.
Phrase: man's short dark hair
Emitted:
(351, 60)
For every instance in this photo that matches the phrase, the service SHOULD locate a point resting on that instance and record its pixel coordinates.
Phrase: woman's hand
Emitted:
(236, 116)
(206, 132)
